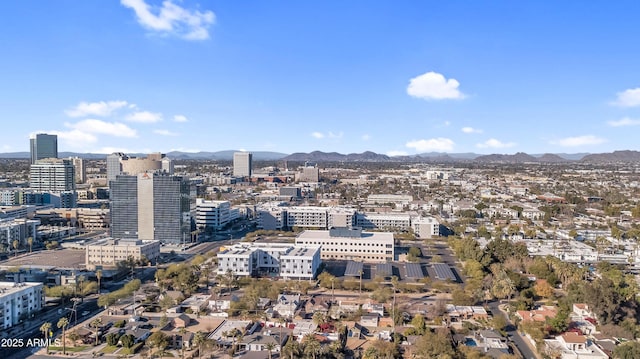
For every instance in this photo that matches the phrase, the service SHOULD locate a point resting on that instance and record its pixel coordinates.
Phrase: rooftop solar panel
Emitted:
(443, 272)
(353, 269)
(384, 269)
(414, 270)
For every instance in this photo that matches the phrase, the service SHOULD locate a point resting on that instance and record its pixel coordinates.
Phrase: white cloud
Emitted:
(434, 86)
(180, 118)
(471, 130)
(366, 137)
(329, 134)
(172, 19)
(579, 141)
(626, 121)
(396, 153)
(101, 108)
(164, 133)
(91, 126)
(145, 117)
(628, 98)
(493, 143)
(432, 144)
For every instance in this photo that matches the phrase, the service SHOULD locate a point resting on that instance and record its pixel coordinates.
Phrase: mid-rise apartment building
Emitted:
(270, 259)
(18, 229)
(387, 221)
(400, 199)
(19, 301)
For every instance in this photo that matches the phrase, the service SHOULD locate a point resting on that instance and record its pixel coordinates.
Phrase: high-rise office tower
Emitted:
(52, 175)
(80, 169)
(114, 165)
(151, 206)
(242, 164)
(43, 146)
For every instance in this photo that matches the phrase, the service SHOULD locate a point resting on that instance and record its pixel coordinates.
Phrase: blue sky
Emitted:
(296, 76)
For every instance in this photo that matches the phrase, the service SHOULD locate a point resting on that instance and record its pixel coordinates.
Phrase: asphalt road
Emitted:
(518, 339)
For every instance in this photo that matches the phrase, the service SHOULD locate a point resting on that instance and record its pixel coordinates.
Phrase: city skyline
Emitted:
(140, 76)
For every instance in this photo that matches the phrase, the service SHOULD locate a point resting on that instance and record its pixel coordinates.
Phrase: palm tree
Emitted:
(270, 347)
(99, 277)
(312, 346)
(292, 349)
(96, 323)
(198, 339)
(182, 332)
(63, 323)
(30, 243)
(45, 329)
(15, 245)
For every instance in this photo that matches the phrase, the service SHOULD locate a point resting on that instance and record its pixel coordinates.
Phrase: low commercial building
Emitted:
(350, 244)
(19, 301)
(109, 251)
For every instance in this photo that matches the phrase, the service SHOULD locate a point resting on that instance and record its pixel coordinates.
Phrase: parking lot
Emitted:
(61, 258)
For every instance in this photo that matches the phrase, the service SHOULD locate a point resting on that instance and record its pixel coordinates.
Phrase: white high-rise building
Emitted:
(80, 169)
(242, 162)
(212, 214)
(52, 175)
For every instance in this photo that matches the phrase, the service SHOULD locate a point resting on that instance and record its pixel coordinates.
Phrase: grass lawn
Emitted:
(109, 349)
(69, 349)
(133, 349)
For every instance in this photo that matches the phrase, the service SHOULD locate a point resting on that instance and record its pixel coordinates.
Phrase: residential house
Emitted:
(537, 315)
(572, 345)
(369, 320)
(286, 305)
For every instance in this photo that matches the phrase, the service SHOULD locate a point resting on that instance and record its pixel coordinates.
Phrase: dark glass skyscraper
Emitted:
(151, 206)
(43, 146)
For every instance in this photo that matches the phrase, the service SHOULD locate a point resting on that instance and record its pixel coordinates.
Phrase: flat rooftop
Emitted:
(7, 288)
(368, 236)
(302, 252)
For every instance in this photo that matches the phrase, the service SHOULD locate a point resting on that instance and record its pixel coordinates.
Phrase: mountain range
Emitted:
(625, 156)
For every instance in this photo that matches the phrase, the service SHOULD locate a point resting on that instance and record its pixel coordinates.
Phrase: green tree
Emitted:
(158, 340)
(270, 348)
(311, 346)
(113, 338)
(99, 277)
(291, 349)
(63, 323)
(198, 339)
(628, 350)
(419, 324)
(127, 340)
(45, 329)
(96, 324)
